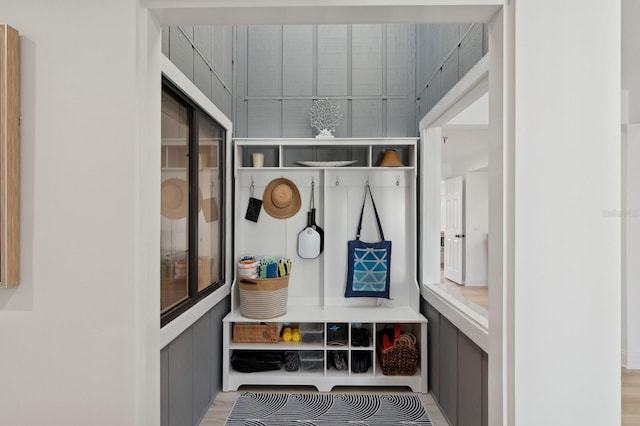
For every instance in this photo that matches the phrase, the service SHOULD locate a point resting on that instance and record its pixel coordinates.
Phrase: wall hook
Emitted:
(397, 180)
(337, 180)
(252, 187)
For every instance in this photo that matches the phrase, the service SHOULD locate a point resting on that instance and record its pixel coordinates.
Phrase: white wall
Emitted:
(75, 334)
(629, 212)
(567, 171)
(476, 228)
(466, 149)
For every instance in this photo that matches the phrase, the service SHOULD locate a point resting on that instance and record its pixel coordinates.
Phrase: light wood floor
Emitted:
(630, 397)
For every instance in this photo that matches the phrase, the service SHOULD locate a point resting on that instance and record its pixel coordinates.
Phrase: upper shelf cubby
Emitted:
(323, 153)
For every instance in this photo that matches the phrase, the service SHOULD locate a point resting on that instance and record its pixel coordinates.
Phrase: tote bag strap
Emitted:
(368, 190)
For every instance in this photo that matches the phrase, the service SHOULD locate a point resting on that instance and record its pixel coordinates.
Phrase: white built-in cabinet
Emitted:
(316, 286)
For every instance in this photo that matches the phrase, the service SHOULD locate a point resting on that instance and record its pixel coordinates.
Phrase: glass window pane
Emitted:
(210, 139)
(174, 200)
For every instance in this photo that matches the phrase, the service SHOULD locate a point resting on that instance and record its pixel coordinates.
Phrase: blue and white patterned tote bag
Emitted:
(369, 264)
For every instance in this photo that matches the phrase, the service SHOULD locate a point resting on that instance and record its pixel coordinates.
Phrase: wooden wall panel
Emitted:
(181, 52)
(433, 94)
(449, 74)
(202, 75)
(164, 387)
(265, 60)
(397, 51)
(297, 60)
(181, 380)
(471, 49)
(398, 117)
(203, 351)
(433, 344)
(450, 38)
(333, 60)
(202, 42)
(366, 62)
(367, 118)
(469, 382)
(264, 119)
(295, 118)
(449, 369)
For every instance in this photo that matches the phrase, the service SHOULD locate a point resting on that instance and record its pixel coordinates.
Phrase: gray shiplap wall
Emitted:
(205, 55)
(444, 54)
(368, 70)
(191, 369)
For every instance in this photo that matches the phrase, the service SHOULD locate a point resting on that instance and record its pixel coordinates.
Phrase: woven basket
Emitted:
(255, 333)
(398, 360)
(263, 298)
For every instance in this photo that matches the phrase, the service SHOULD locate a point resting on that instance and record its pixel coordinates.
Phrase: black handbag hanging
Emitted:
(369, 264)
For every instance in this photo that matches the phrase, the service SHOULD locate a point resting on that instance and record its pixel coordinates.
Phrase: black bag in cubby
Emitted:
(254, 361)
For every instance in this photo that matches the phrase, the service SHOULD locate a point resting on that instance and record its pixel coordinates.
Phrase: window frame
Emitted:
(195, 113)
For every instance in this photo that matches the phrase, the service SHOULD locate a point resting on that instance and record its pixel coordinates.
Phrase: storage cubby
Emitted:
(338, 169)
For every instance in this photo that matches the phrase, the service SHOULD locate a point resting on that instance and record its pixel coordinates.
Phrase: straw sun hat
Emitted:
(281, 198)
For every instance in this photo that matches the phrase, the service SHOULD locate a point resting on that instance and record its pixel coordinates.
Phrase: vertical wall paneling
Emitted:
(366, 62)
(265, 60)
(469, 382)
(485, 389)
(202, 356)
(295, 118)
(264, 119)
(445, 53)
(433, 341)
(164, 387)
(366, 118)
(202, 75)
(297, 60)
(240, 86)
(217, 314)
(471, 49)
(448, 358)
(181, 51)
(165, 41)
(204, 55)
(181, 380)
(332, 60)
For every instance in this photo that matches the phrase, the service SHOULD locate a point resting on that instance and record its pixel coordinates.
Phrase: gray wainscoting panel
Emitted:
(469, 382)
(485, 389)
(217, 314)
(164, 387)
(264, 60)
(295, 118)
(202, 75)
(181, 52)
(181, 380)
(449, 40)
(449, 73)
(203, 351)
(471, 49)
(367, 118)
(298, 60)
(264, 118)
(433, 341)
(397, 72)
(202, 41)
(397, 114)
(433, 93)
(366, 62)
(333, 60)
(165, 41)
(449, 370)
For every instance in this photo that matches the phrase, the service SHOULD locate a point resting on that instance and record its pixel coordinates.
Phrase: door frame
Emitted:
(151, 14)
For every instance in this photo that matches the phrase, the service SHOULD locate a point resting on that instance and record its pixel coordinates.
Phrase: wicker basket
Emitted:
(255, 333)
(398, 360)
(263, 298)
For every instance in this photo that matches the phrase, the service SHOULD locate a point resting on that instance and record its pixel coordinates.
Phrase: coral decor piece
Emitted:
(325, 117)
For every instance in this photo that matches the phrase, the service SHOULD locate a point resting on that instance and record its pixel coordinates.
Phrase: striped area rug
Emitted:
(310, 409)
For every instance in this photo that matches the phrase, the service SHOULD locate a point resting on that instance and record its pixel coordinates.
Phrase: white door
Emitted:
(453, 230)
